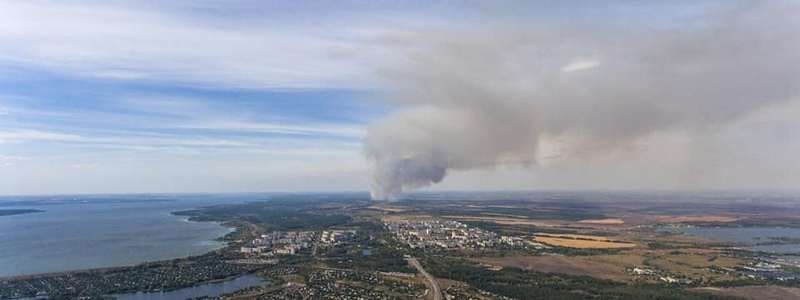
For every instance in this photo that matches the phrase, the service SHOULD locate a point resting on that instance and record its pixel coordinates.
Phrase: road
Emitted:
(437, 292)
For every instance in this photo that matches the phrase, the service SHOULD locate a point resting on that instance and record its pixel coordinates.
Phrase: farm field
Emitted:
(507, 220)
(582, 241)
(610, 221)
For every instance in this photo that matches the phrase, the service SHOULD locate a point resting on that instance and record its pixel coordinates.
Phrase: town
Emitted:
(447, 234)
(351, 249)
(292, 242)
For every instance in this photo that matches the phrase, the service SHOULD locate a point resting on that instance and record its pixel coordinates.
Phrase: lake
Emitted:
(750, 236)
(81, 232)
(208, 290)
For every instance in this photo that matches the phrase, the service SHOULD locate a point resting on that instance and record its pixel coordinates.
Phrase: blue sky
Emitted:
(241, 96)
(180, 97)
(82, 129)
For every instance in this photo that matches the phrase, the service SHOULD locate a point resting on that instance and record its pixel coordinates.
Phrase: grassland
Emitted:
(694, 265)
(528, 284)
(610, 267)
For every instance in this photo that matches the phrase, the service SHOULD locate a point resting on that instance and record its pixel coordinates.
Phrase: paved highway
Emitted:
(437, 292)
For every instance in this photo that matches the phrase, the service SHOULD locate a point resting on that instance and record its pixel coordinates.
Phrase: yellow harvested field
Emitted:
(702, 218)
(584, 244)
(392, 218)
(507, 221)
(494, 215)
(575, 236)
(603, 222)
(581, 241)
(388, 208)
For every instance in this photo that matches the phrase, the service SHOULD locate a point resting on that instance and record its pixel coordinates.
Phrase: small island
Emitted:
(11, 212)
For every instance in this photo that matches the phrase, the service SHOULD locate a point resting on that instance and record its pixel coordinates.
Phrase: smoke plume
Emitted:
(482, 97)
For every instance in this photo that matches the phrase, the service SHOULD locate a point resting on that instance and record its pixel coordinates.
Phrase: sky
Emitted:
(258, 96)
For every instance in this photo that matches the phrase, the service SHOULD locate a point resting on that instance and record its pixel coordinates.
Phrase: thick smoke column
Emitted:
(484, 97)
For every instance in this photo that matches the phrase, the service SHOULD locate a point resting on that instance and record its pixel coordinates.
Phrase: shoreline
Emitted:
(213, 281)
(231, 229)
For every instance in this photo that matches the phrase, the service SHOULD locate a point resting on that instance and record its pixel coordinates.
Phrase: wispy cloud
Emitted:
(331, 130)
(125, 42)
(188, 96)
(36, 135)
(9, 161)
(581, 64)
(154, 142)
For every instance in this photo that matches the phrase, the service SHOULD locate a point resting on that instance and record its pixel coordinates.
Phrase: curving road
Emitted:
(437, 292)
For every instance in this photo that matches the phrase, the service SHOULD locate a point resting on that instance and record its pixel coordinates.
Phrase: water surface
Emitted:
(102, 231)
(209, 290)
(750, 236)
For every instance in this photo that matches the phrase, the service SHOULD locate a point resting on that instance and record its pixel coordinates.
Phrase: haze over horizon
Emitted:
(204, 96)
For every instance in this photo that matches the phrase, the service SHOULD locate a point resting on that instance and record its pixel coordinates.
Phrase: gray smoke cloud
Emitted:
(479, 98)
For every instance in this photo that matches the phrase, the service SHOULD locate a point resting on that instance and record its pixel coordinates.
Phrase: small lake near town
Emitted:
(752, 236)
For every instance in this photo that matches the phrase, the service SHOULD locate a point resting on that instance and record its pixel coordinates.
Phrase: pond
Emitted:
(751, 236)
(209, 290)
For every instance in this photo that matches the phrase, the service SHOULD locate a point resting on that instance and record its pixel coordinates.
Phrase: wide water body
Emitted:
(103, 231)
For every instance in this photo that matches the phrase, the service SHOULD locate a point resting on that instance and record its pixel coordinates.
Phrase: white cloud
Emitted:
(119, 42)
(141, 151)
(192, 145)
(579, 65)
(37, 135)
(334, 130)
(10, 160)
